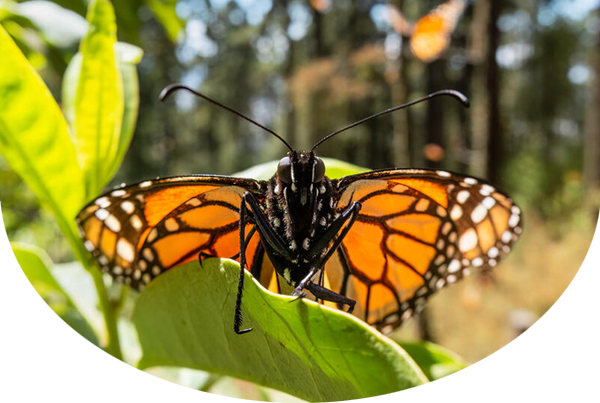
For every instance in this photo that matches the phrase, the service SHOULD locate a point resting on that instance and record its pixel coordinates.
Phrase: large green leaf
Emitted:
(128, 57)
(99, 102)
(72, 336)
(458, 382)
(34, 136)
(184, 318)
(22, 264)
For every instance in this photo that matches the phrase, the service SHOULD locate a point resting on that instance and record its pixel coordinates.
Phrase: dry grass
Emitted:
(479, 315)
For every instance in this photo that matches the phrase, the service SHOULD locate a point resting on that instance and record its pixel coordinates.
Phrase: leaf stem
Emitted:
(113, 346)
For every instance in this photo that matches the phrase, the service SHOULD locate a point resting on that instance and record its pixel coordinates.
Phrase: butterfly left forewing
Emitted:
(136, 232)
(418, 231)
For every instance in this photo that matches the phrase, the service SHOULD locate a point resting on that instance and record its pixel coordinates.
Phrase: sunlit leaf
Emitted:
(21, 264)
(165, 13)
(34, 136)
(184, 318)
(60, 26)
(458, 382)
(98, 102)
(71, 335)
(128, 56)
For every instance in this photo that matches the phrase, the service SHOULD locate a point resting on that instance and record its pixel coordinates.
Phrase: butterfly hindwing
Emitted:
(417, 231)
(139, 231)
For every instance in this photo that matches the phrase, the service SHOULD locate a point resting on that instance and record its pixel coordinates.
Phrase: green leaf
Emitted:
(334, 169)
(99, 101)
(34, 136)
(18, 396)
(184, 318)
(22, 264)
(71, 335)
(128, 56)
(164, 11)
(458, 382)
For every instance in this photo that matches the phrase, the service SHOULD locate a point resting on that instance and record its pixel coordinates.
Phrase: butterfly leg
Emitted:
(266, 233)
(237, 319)
(347, 218)
(326, 294)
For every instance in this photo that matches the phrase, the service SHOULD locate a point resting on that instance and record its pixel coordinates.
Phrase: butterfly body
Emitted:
(300, 210)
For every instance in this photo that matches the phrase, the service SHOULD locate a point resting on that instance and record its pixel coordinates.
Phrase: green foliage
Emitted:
(34, 136)
(20, 264)
(98, 105)
(185, 318)
(435, 361)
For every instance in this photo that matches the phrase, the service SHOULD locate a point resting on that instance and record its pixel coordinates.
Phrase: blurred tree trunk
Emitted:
(396, 75)
(288, 71)
(591, 147)
(434, 121)
(487, 131)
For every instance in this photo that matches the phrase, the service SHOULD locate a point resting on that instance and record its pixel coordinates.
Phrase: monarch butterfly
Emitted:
(430, 35)
(379, 243)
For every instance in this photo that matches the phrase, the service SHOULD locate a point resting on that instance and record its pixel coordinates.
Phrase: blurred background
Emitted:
(305, 68)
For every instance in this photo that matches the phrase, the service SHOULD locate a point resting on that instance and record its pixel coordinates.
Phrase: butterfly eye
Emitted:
(284, 170)
(319, 170)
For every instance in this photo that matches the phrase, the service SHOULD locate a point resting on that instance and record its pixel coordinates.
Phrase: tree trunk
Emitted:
(486, 140)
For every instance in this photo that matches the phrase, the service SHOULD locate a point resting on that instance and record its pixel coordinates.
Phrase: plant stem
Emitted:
(110, 319)
(113, 346)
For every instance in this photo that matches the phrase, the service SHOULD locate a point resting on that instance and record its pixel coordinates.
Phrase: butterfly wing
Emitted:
(417, 231)
(137, 232)
(431, 34)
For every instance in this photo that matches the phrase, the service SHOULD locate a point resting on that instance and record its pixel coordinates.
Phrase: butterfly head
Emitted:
(300, 171)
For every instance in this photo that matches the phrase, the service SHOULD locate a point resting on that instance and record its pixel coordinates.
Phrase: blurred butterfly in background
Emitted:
(430, 36)
(376, 244)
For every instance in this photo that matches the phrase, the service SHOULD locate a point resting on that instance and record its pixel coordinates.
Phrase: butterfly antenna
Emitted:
(168, 90)
(455, 94)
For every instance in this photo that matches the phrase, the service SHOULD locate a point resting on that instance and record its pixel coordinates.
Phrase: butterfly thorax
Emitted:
(300, 213)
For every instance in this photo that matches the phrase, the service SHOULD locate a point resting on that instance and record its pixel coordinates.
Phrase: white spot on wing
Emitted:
(456, 212)
(513, 220)
(127, 207)
(146, 184)
(478, 214)
(102, 202)
(101, 214)
(468, 240)
(488, 202)
(454, 266)
(462, 196)
(125, 250)
(112, 223)
(171, 224)
(135, 221)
